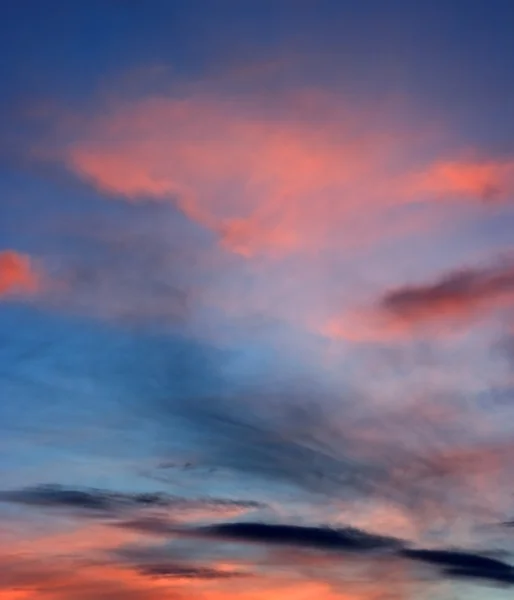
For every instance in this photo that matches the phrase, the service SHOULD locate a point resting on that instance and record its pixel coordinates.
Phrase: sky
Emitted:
(256, 299)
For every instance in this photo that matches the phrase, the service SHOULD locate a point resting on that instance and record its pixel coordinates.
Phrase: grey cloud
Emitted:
(170, 570)
(99, 502)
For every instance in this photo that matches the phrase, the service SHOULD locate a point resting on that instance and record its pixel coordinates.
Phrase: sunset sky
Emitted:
(257, 299)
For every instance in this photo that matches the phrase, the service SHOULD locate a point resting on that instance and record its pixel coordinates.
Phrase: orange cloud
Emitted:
(309, 171)
(83, 540)
(487, 179)
(23, 576)
(77, 562)
(17, 274)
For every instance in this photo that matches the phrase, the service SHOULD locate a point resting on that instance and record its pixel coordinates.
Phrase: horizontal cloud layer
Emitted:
(96, 502)
(349, 539)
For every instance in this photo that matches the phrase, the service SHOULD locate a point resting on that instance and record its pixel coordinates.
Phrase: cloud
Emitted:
(431, 457)
(463, 294)
(17, 274)
(452, 563)
(452, 558)
(508, 523)
(485, 179)
(505, 577)
(150, 525)
(464, 564)
(65, 579)
(456, 299)
(280, 175)
(168, 570)
(57, 496)
(505, 349)
(139, 270)
(280, 436)
(96, 502)
(23, 576)
(346, 539)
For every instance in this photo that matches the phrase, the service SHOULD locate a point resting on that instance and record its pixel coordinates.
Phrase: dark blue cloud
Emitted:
(464, 564)
(109, 503)
(324, 538)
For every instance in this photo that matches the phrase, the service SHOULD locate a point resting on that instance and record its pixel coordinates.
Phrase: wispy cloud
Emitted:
(463, 294)
(109, 504)
(454, 301)
(291, 173)
(167, 571)
(242, 325)
(431, 464)
(489, 180)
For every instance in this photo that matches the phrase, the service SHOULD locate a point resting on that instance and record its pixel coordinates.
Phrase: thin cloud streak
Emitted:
(93, 503)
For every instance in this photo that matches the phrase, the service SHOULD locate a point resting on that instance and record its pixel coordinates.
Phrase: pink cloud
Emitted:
(450, 304)
(17, 274)
(464, 294)
(485, 179)
(305, 173)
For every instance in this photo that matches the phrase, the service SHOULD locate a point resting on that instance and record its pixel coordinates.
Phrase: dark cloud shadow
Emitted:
(345, 539)
(466, 565)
